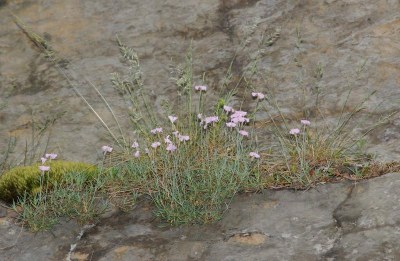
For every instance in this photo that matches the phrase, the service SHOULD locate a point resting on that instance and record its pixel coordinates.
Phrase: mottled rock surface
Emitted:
(302, 48)
(345, 221)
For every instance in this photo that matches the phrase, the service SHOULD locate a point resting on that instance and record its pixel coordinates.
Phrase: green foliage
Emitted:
(26, 179)
(77, 196)
(34, 212)
(198, 191)
(194, 182)
(125, 183)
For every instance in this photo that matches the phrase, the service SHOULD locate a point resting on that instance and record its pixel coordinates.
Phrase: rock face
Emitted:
(302, 48)
(346, 221)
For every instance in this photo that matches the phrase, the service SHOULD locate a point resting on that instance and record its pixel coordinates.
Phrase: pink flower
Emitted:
(43, 160)
(240, 119)
(135, 145)
(211, 119)
(44, 168)
(200, 88)
(230, 124)
(155, 144)
(183, 137)
(167, 140)
(294, 131)
(51, 155)
(106, 149)
(254, 155)
(171, 147)
(305, 122)
(238, 114)
(199, 116)
(156, 130)
(228, 108)
(258, 95)
(244, 133)
(172, 118)
(175, 133)
(137, 154)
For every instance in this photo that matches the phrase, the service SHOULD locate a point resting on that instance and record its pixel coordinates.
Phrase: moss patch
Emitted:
(20, 180)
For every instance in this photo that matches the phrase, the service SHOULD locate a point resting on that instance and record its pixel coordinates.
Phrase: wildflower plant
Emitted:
(196, 166)
(42, 194)
(306, 152)
(190, 167)
(195, 161)
(76, 196)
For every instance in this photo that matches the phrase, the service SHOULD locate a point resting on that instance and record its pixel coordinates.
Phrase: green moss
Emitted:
(20, 180)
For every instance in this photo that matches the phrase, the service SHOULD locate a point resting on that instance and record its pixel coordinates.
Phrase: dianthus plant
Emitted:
(196, 160)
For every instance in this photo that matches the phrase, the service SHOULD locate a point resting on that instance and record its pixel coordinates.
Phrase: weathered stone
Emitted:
(3, 211)
(302, 47)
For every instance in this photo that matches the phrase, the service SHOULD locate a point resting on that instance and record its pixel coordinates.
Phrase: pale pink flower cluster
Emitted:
(207, 120)
(296, 130)
(183, 137)
(258, 95)
(172, 118)
(155, 144)
(254, 155)
(211, 119)
(200, 88)
(171, 147)
(135, 145)
(238, 114)
(228, 108)
(239, 117)
(44, 168)
(51, 156)
(236, 118)
(230, 124)
(180, 137)
(244, 133)
(156, 130)
(47, 156)
(167, 140)
(106, 149)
